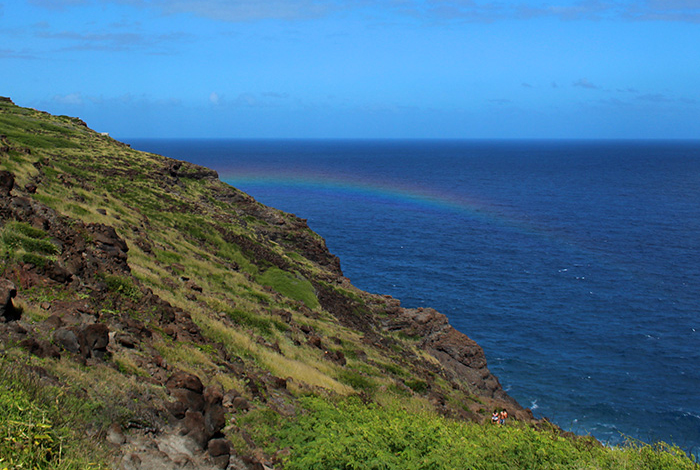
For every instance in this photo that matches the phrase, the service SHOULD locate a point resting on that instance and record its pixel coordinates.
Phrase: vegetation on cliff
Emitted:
(155, 317)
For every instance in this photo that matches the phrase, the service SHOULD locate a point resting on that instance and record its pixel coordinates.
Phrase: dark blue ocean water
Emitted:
(576, 265)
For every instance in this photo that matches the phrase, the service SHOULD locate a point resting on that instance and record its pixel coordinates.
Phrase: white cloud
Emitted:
(214, 98)
(72, 99)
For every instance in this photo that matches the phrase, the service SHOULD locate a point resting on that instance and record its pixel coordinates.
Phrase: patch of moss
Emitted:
(289, 285)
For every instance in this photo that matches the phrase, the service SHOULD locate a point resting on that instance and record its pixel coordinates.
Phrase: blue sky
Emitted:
(359, 68)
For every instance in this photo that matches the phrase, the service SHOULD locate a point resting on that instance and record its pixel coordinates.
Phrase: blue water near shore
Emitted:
(576, 265)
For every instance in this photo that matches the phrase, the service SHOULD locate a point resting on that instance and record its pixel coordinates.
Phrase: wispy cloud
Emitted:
(274, 94)
(57, 4)
(248, 10)
(429, 10)
(584, 10)
(115, 42)
(655, 98)
(72, 99)
(15, 54)
(614, 102)
(78, 99)
(248, 100)
(584, 83)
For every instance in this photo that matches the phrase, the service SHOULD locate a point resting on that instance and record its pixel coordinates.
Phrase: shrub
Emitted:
(352, 435)
(418, 386)
(122, 285)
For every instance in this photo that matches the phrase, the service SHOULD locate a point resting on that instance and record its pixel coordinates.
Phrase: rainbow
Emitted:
(410, 196)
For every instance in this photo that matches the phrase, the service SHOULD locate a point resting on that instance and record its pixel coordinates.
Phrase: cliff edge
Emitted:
(174, 304)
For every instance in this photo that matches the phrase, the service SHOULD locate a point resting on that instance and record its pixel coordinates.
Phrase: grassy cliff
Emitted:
(155, 317)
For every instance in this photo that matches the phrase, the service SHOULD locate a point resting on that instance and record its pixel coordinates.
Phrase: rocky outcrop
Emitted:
(200, 413)
(460, 356)
(180, 169)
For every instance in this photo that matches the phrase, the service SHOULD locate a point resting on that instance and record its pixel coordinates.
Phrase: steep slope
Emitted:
(138, 265)
(157, 317)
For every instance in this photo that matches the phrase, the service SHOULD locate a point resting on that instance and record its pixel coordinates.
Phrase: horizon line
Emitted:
(443, 139)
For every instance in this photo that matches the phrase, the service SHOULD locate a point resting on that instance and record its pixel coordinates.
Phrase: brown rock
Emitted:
(218, 447)
(125, 340)
(107, 235)
(315, 341)
(40, 348)
(96, 336)
(115, 435)
(229, 397)
(176, 408)
(336, 356)
(192, 401)
(214, 420)
(182, 379)
(240, 403)
(213, 394)
(279, 383)
(193, 427)
(68, 339)
(7, 182)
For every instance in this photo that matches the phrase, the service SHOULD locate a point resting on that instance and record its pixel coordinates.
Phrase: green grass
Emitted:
(289, 285)
(20, 235)
(39, 427)
(356, 380)
(26, 244)
(31, 132)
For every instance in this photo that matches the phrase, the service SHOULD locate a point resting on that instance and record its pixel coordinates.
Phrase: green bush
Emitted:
(122, 285)
(418, 386)
(352, 435)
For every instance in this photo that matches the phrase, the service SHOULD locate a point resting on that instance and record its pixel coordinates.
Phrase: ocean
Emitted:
(574, 264)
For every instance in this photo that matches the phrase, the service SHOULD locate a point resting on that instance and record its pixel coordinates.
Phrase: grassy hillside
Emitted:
(155, 317)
